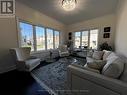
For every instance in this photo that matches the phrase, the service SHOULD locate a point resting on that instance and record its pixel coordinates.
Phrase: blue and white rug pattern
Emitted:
(54, 75)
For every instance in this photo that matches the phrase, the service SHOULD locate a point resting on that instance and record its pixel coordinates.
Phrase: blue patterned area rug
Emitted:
(53, 77)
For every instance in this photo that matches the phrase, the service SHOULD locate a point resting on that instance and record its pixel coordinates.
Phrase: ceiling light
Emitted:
(69, 5)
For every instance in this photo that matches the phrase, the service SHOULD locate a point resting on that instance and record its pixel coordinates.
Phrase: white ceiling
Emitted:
(85, 9)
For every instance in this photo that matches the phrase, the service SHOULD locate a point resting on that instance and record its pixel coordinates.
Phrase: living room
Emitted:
(106, 17)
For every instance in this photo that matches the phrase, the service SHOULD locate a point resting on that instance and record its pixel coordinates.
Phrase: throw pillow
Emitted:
(98, 65)
(106, 54)
(98, 55)
(113, 68)
(112, 57)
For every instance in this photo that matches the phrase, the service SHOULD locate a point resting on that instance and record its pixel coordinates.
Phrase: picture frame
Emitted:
(107, 29)
(70, 35)
(106, 35)
(70, 38)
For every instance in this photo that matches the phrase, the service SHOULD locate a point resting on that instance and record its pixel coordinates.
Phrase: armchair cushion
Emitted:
(23, 53)
(32, 63)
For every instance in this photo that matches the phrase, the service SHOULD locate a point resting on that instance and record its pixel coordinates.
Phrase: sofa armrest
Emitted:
(21, 66)
(32, 57)
(109, 83)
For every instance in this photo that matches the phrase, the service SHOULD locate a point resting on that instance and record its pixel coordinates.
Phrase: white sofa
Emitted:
(86, 81)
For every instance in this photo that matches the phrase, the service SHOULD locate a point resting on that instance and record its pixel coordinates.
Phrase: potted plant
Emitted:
(105, 46)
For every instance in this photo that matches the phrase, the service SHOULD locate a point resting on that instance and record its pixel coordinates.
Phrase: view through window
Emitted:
(40, 38)
(94, 38)
(77, 39)
(37, 37)
(49, 38)
(86, 38)
(26, 32)
(57, 38)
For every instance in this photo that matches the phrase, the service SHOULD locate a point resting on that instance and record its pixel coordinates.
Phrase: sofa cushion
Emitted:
(123, 76)
(113, 68)
(91, 69)
(89, 59)
(98, 55)
(98, 64)
(106, 54)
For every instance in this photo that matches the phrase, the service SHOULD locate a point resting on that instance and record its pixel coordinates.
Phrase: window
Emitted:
(56, 37)
(86, 38)
(26, 35)
(94, 38)
(37, 37)
(40, 38)
(77, 39)
(49, 38)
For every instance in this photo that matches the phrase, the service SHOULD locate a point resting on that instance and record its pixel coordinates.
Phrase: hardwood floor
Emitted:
(19, 83)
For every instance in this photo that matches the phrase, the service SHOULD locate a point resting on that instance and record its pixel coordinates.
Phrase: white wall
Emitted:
(8, 39)
(121, 33)
(100, 23)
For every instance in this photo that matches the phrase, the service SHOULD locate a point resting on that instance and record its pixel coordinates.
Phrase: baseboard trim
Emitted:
(4, 70)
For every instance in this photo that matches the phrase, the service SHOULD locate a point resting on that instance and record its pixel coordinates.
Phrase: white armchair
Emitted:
(63, 52)
(23, 60)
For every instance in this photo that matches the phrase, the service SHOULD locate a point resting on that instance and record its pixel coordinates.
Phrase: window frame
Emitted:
(97, 36)
(88, 36)
(46, 36)
(34, 35)
(19, 34)
(80, 38)
(36, 39)
(54, 38)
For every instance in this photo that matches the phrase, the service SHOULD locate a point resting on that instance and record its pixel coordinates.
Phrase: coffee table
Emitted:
(50, 59)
